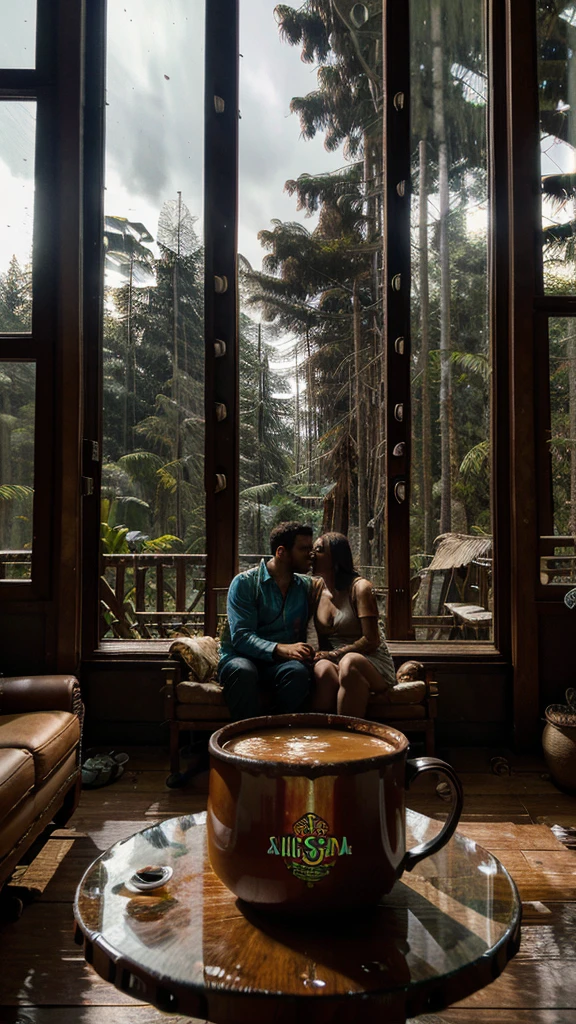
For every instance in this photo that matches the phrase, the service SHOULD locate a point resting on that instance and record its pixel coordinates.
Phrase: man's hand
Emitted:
(294, 652)
(332, 656)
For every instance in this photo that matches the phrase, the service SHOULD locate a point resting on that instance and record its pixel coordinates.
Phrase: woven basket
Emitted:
(559, 743)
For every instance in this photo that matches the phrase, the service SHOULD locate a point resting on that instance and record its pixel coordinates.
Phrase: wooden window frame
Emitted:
(513, 274)
(43, 85)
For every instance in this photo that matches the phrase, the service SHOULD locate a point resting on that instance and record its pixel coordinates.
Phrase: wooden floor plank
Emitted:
(103, 834)
(126, 805)
(480, 759)
(55, 874)
(530, 783)
(554, 809)
(511, 836)
(499, 1016)
(141, 1014)
(529, 984)
(552, 861)
(42, 965)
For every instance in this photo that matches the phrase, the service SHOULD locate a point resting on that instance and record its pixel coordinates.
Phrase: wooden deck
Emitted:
(45, 980)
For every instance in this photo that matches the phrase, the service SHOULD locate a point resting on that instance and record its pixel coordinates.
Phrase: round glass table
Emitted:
(446, 930)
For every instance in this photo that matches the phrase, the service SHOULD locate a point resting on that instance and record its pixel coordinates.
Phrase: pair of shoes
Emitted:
(102, 769)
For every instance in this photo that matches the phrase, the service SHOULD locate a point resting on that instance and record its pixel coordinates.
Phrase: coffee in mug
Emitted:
(308, 811)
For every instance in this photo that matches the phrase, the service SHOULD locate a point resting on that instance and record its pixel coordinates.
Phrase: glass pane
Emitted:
(153, 451)
(451, 531)
(312, 371)
(17, 404)
(18, 37)
(558, 554)
(17, 139)
(557, 92)
(562, 356)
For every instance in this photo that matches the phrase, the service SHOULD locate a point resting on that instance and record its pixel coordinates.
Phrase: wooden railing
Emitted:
(153, 595)
(20, 563)
(557, 566)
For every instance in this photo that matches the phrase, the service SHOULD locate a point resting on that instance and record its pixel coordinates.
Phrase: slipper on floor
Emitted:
(102, 769)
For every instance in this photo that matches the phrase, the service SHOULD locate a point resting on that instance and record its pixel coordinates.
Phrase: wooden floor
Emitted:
(44, 979)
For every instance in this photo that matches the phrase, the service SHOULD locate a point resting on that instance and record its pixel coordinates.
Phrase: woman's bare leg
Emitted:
(326, 682)
(357, 677)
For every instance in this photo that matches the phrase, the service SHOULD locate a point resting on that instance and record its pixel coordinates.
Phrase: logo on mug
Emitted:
(309, 851)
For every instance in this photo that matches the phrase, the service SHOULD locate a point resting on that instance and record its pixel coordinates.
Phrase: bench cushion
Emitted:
(48, 735)
(205, 701)
(189, 692)
(402, 693)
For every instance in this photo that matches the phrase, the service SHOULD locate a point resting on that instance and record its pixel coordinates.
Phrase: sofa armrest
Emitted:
(40, 693)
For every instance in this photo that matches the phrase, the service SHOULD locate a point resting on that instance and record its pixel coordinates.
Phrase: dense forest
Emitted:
(312, 439)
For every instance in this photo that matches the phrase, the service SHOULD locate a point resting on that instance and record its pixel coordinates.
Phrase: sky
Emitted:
(155, 115)
(155, 120)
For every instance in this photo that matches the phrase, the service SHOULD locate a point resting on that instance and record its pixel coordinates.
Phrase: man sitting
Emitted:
(263, 643)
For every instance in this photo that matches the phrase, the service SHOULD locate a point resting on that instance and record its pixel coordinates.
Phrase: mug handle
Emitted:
(418, 766)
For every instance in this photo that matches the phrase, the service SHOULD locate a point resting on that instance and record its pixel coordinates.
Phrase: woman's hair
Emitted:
(341, 556)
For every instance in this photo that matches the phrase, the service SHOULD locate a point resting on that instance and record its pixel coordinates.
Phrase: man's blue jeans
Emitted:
(288, 683)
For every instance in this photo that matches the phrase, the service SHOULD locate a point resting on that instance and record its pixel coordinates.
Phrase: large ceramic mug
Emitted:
(308, 831)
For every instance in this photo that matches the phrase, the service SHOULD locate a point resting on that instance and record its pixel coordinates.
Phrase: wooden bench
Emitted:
(200, 707)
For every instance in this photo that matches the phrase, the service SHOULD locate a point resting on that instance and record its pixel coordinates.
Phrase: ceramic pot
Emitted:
(307, 836)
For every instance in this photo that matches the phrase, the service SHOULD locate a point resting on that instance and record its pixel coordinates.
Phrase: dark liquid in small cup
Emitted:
(307, 746)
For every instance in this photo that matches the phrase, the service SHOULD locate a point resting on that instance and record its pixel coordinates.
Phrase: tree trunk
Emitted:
(296, 416)
(571, 352)
(309, 403)
(132, 355)
(444, 199)
(425, 350)
(360, 433)
(260, 434)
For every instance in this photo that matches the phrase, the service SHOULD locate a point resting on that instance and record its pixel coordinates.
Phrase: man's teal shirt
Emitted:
(259, 617)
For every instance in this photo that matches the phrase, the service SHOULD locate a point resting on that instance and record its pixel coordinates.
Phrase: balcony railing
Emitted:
(148, 596)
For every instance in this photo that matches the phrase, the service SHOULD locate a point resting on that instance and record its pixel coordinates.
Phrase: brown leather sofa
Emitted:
(40, 779)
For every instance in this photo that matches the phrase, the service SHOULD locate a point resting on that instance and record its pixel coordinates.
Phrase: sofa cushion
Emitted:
(16, 778)
(36, 810)
(200, 693)
(48, 735)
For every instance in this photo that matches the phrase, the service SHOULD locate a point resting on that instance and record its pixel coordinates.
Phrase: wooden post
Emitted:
(221, 300)
(525, 281)
(396, 297)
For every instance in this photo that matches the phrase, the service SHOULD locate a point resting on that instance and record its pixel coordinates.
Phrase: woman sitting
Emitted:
(353, 659)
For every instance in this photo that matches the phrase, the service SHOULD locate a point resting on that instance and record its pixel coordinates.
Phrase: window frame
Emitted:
(38, 346)
(505, 61)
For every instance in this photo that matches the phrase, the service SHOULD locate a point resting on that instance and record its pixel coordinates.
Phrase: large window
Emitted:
(27, 301)
(17, 379)
(152, 510)
(451, 515)
(313, 363)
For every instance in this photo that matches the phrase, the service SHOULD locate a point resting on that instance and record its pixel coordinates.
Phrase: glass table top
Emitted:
(446, 929)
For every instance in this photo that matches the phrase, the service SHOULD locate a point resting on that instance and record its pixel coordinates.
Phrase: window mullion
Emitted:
(221, 306)
(396, 292)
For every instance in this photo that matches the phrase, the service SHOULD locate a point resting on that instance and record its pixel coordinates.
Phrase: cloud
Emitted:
(156, 105)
